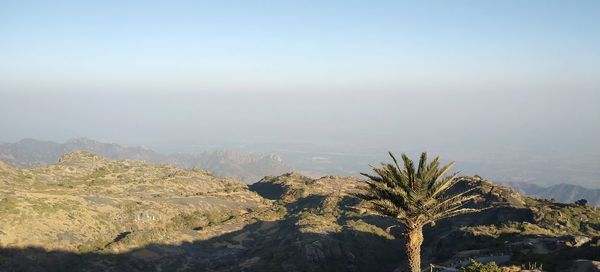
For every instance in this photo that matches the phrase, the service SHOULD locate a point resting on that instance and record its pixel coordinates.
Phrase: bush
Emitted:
(475, 266)
(581, 202)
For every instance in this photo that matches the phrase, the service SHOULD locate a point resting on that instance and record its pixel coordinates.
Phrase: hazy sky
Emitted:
(498, 85)
(299, 45)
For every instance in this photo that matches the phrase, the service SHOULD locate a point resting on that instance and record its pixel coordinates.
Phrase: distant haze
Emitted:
(540, 137)
(509, 89)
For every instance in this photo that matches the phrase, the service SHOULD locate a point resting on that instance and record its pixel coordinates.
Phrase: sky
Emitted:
(507, 88)
(306, 46)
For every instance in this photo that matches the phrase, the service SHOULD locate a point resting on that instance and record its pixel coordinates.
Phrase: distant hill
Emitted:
(249, 167)
(566, 193)
(89, 213)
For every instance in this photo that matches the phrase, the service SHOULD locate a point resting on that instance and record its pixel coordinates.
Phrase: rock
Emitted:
(577, 241)
(585, 266)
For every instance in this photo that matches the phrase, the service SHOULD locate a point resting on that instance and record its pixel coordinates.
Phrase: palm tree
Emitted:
(414, 197)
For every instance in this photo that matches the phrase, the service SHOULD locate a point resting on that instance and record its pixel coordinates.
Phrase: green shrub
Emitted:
(216, 218)
(297, 193)
(475, 266)
(99, 173)
(189, 220)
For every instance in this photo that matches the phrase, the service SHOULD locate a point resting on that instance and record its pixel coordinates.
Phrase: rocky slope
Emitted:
(513, 230)
(87, 213)
(85, 201)
(249, 167)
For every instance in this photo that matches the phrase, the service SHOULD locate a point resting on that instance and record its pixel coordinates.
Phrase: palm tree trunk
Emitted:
(413, 247)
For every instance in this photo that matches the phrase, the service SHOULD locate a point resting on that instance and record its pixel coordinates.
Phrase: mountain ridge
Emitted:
(246, 166)
(566, 193)
(89, 213)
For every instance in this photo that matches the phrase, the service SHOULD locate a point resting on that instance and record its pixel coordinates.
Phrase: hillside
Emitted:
(566, 193)
(249, 167)
(87, 213)
(85, 201)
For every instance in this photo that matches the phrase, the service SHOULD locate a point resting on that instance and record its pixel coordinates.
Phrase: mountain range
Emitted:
(89, 213)
(249, 167)
(566, 193)
(246, 166)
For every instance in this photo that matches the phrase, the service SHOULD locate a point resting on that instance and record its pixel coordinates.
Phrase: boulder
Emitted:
(577, 241)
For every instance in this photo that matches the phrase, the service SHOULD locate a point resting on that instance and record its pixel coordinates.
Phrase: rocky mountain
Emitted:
(88, 213)
(84, 201)
(566, 193)
(249, 167)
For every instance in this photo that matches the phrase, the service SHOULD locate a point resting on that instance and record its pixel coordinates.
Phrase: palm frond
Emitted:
(415, 195)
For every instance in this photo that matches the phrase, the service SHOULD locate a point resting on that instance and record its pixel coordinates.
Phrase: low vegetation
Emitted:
(90, 213)
(480, 267)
